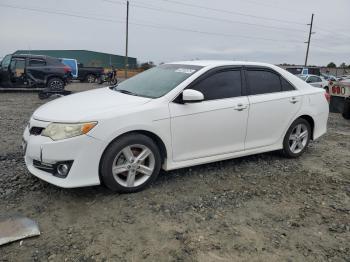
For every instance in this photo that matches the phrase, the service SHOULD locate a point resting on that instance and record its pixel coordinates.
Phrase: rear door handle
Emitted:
(294, 100)
(240, 107)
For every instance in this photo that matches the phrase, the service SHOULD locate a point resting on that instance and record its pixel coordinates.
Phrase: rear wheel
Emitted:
(56, 84)
(90, 78)
(297, 138)
(130, 163)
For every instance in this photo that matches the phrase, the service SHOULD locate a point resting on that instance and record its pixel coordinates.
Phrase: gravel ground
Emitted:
(257, 208)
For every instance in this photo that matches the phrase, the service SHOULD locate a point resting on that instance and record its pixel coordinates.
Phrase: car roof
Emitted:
(30, 56)
(206, 63)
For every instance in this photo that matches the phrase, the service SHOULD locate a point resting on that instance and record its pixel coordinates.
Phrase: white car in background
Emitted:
(172, 116)
(315, 81)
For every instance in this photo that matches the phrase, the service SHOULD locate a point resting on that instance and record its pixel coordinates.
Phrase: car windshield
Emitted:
(303, 77)
(157, 81)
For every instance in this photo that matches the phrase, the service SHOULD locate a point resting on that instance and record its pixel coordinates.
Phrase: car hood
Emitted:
(87, 106)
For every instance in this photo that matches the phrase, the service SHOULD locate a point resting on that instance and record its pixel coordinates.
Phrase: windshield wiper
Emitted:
(126, 92)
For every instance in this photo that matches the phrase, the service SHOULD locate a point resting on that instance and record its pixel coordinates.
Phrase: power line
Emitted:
(232, 12)
(160, 9)
(149, 25)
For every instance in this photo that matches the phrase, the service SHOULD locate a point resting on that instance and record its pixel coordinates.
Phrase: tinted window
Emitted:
(286, 86)
(223, 84)
(263, 82)
(37, 62)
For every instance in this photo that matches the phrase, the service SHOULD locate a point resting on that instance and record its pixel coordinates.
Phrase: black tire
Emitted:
(114, 81)
(114, 149)
(346, 109)
(56, 84)
(90, 78)
(286, 151)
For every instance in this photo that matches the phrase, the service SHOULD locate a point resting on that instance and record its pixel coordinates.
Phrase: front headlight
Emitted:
(59, 131)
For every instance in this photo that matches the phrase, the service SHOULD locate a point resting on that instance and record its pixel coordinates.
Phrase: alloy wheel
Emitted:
(133, 165)
(298, 138)
(56, 85)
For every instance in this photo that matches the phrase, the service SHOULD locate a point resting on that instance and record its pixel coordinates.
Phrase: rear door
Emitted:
(214, 126)
(37, 69)
(273, 103)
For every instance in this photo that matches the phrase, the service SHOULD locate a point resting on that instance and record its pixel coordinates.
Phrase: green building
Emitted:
(86, 57)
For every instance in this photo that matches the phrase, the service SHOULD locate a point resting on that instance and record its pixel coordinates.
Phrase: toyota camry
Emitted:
(172, 116)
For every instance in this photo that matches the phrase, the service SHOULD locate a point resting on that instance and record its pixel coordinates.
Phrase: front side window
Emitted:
(224, 84)
(17, 67)
(157, 81)
(263, 82)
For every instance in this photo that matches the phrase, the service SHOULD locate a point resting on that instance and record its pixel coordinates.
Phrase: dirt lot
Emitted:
(256, 208)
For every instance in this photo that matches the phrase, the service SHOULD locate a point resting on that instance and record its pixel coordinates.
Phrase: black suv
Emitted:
(33, 71)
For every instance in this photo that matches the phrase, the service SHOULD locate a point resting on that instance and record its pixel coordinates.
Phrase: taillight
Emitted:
(327, 96)
(67, 69)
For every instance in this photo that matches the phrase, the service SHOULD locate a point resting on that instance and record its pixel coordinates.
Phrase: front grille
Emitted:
(36, 131)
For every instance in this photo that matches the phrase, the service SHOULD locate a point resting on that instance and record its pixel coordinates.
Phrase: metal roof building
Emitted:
(86, 57)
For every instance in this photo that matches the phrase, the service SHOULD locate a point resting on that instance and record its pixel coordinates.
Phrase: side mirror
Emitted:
(192, 96)
(308, 81)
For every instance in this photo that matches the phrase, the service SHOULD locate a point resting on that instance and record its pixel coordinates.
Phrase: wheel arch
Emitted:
(159, 142)
(311, 121)
(48, 78)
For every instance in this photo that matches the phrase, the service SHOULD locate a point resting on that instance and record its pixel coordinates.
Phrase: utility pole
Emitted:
(126, 39)
(308, 42)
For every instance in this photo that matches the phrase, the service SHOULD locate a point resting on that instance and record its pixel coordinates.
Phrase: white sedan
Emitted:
(315, 81)
(172, 116)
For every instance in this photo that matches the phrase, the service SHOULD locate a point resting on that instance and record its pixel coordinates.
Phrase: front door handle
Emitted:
(240, 107)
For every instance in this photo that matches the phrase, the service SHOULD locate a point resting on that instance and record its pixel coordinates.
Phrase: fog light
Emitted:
(62, 169)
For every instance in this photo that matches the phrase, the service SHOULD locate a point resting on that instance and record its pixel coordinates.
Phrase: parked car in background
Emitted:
(340, 97)
(315, 81)
(89, 74)
(33, 71)
(299, 70)
(172, 116)
(82, 73)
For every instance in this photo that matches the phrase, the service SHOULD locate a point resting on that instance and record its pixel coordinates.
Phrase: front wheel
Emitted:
(130, 163)
(297, 138)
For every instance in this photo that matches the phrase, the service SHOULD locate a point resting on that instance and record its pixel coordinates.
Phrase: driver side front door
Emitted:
(17, 72)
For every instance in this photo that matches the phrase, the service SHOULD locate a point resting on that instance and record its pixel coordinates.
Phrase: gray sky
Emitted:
(226, 36)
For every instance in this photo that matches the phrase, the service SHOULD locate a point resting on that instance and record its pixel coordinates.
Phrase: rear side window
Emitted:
(224, 84)
(286, 86)
(263, 82)
(37, 62)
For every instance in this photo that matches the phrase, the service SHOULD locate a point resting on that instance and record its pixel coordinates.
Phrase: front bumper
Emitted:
(84, 151)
